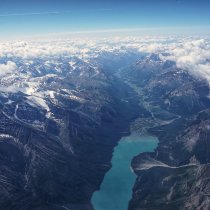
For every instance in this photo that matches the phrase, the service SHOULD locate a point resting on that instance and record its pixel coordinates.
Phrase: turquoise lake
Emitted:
(116, 189)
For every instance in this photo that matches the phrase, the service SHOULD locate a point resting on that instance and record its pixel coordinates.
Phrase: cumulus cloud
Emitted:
(189, 53)
(7, 68)
(193, 56)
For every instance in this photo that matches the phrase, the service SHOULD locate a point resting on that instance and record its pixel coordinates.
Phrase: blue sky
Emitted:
(20, 18)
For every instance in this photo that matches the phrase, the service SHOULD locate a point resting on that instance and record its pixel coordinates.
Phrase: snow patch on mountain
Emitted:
(37, 101)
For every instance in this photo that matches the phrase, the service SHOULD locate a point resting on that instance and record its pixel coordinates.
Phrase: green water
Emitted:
(116, 189)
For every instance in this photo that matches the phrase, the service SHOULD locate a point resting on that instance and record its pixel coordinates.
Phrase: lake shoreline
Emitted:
(116, 189)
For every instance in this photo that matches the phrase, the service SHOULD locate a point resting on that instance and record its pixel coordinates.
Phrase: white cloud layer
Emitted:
(190, 53)
(7, 68)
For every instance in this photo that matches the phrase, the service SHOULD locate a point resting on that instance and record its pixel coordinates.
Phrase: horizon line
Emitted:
(145, 30)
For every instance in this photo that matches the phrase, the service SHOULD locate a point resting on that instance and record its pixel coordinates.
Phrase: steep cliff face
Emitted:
(175, 176)
(184, 187)
(57, 132)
